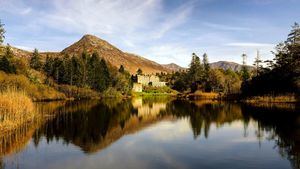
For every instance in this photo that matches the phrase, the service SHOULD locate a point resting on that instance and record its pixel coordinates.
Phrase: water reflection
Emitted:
(95, 125)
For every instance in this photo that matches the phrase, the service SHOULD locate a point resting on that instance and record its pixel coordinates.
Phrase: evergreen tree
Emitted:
(104, 80)
(244, 71)
(35, 61)
(257, 63)
(139, 71)
(2, 32)
(84, 60)
(6, 64)
(48, 66)
(195, 73)
(8, 52)
(206, 76)
(77, 71)
(94, 71)
(121, 69)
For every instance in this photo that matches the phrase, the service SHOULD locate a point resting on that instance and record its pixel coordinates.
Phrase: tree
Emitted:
(48, 66)
(206, 74)
(6, 64)
(104, 80)
(84, 60)
(139, 71)
(257, 63)
(121, 69)
(2, 32)
(195, 73)
(244, 71)
(35, 61)
(94, 71)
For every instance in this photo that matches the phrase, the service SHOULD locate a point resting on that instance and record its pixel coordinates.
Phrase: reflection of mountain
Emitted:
(97, 127)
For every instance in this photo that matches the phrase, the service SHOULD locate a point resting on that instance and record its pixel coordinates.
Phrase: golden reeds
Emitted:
(16, 108)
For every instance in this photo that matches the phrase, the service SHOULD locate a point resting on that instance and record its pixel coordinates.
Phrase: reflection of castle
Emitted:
(145, 110)
(147, 80)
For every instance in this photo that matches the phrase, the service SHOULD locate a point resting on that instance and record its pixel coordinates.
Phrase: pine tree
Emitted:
(6, 66)
(121, 69)
(104, 80)
(77, 71)
(94, 71)
(244, 71)
(139, 71)
(257, 63)
(206, 74)
(48, 66)
(8, 52)
(2, 32)
(35, 61)
(5, 62)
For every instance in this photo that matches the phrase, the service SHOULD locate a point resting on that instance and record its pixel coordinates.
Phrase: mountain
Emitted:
(174, 67)
(228, 65)
(113, 55)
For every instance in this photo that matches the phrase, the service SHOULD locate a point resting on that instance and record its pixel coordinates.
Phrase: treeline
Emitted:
(200, 76)
(86, 70)
(282, 74)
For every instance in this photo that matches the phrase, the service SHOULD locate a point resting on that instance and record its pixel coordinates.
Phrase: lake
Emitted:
(156, 133)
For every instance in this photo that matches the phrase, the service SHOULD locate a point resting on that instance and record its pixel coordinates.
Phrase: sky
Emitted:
(165, 31)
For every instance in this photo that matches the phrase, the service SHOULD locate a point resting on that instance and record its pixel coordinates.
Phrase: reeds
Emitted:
(16, 108)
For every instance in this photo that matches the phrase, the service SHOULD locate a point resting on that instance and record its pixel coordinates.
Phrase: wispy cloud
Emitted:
(226, 27)
(250, 44)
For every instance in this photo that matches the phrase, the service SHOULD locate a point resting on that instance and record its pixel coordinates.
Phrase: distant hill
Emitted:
(216, 65)
(113, 55)
(173, 67)
(228, 65)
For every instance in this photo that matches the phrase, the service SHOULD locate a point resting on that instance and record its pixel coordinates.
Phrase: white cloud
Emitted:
(226, 27)
(169, 53)
(26, 11)
(250, 44)
(24, 47)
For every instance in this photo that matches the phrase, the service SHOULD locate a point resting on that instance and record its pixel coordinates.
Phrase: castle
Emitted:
(147, 80)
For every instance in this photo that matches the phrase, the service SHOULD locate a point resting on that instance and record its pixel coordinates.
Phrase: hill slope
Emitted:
(174, 67)
(113, 55)
(228, 65)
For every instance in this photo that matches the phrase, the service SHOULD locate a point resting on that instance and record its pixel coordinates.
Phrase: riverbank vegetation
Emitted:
(16, 109)
(281, 76)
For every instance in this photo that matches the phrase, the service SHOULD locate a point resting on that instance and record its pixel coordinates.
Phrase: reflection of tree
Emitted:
(282, 126)
(1, 164)
(203, 115)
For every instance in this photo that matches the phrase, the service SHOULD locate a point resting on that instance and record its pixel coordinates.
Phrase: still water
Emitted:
(155, 133)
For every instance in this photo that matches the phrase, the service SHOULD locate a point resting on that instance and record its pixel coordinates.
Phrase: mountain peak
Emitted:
(90, 37)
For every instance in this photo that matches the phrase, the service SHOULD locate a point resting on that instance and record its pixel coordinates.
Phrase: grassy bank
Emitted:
(16, 109)
(288, 98)
(156, 91)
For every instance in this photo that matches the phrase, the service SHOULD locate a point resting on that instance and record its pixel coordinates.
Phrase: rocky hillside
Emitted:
(228, 65)
(174, 67)
(113, 55)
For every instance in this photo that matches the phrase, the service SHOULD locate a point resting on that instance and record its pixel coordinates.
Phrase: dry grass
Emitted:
(205, 95)
(35, 91)
(289, 98)
(16, 108)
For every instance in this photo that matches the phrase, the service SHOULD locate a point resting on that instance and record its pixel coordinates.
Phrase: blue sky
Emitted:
(161, 30)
